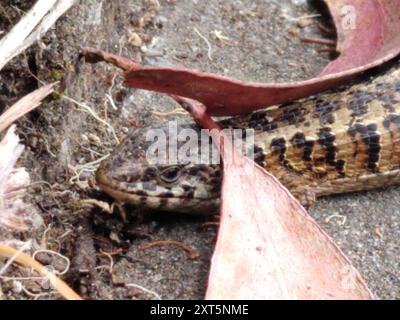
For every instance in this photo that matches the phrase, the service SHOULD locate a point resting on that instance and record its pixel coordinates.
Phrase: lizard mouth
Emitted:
(164, 202)
(143, 190)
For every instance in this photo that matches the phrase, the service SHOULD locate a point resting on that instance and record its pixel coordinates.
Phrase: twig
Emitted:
(192, 254)
(295, 19)
(27, 261)
(26, 246)
(325, 29)
(326, 42)
(170, 113)
(111, 100)
(112, 253)
(379, 233)
(109, 96)
(105, 206)
(218, 34)
(51, 153)
(87, 167)
(344, 218)
(133, 285)
(109, 256)
(5, 278)
(210, 224)
(45, 232)
(68, 262)
(209, 53)
(327, 49)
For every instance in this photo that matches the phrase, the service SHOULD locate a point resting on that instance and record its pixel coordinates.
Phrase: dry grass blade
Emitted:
(29, 262)
(24, 105)
(31, 27)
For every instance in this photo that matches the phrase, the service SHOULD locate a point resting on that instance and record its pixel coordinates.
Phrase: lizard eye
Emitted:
(170, 174)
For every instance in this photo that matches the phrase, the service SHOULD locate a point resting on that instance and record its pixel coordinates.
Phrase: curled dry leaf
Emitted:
(268, 246)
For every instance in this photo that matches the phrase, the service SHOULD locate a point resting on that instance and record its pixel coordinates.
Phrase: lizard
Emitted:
(339, 141)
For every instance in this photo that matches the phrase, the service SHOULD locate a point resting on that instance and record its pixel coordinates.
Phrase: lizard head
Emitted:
(143, 171)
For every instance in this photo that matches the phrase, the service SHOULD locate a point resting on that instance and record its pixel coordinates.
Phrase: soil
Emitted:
(254, 41)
